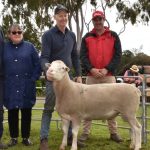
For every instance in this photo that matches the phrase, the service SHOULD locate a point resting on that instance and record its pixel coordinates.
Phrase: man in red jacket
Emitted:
(100, 55)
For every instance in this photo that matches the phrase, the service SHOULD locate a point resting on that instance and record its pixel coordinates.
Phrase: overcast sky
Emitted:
(137, 36)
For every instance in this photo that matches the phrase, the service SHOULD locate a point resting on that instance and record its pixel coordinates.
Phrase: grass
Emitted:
(99, 137)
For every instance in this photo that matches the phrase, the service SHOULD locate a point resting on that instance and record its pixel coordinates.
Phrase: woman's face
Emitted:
(15, 35)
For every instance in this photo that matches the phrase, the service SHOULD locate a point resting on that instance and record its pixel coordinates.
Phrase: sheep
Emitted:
(77, 101)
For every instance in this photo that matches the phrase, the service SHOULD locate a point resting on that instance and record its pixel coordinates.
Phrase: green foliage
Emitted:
(127, 11)
(36, 16)
(129, 58)
(40, 84)
(33, 16)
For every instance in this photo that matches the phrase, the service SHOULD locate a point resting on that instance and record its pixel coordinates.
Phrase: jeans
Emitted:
(47, 112)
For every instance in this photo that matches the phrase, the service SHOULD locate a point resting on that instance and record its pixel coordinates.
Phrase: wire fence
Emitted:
(143, 117)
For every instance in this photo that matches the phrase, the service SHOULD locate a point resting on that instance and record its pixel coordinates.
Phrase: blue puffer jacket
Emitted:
(21, 70)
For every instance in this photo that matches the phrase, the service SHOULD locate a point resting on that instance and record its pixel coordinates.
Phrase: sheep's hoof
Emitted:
(62, 147)
(73, 149)
(132, 146)
(137, 148)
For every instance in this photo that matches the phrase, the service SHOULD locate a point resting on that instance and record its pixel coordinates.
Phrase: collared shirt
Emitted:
(57, 45)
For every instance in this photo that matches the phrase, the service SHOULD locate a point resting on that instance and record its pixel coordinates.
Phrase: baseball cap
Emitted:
(98, 14)
(60, 8)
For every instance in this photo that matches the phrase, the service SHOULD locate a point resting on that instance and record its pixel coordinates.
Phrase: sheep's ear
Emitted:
(47, 65)
(67, 69)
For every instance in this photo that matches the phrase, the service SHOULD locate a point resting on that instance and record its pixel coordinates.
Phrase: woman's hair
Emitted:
(14, 26)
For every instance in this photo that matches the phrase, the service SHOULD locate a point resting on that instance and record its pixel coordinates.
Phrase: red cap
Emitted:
(98, 14)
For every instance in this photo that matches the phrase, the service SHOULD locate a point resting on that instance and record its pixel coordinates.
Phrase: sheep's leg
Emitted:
(65, 127)
(136, 133)
(75, 129)
(132, 145)
(138, 136)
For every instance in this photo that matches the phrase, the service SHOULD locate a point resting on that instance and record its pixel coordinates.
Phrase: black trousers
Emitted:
(13, 122)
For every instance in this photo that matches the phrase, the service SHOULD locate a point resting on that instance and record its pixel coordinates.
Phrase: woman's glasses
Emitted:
(16, 32)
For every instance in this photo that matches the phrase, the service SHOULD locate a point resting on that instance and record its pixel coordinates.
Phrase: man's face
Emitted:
(61, 18)
(98, 23)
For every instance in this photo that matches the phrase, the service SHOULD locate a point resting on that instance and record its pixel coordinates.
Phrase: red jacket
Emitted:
(101, 51)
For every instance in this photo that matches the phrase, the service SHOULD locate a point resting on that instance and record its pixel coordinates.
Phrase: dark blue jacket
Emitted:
(60, 46)
(1, 52)
(1, 72)
(21, 70)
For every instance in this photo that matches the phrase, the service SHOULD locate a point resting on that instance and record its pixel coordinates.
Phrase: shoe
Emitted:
(44, 144)
(12, 142)
(26, 142)
(116, 138)
(83, 137)
(69, 141)
(3, 146)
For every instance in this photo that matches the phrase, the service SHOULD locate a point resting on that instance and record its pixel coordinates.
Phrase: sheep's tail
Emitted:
(139, 92)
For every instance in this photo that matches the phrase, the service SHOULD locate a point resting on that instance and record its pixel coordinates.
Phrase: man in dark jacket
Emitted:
(58, 43)
(100, 55)
(2, 146)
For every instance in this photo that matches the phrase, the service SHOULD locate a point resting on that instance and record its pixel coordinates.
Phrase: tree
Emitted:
(133, 11)
(129, 58)
(36, 16)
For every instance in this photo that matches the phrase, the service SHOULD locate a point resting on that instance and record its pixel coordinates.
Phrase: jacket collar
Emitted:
(105, 31)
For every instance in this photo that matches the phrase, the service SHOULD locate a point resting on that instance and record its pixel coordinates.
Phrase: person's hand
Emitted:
(129, 80)
(78, 79)
(138, 82)
(96, 73)
(104, 71)
(126, 80)
(132, 80)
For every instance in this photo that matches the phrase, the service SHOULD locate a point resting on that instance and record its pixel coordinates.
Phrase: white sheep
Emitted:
(76, 101)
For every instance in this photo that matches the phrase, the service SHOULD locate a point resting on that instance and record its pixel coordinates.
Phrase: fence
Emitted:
(144, 106)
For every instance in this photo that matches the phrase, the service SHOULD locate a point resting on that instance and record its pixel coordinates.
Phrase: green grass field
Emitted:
(99, 137)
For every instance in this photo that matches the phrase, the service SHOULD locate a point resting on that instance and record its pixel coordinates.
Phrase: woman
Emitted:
(21, 70)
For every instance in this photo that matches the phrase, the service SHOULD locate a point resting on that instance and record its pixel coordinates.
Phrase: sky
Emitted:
(134, 37)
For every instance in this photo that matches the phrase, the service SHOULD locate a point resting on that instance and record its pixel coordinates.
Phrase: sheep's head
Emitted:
(56, 70)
